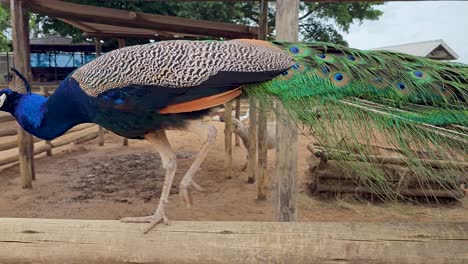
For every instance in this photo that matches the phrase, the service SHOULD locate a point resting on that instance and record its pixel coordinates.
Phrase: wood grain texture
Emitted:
(20, 43)
(252, 165)
(228, 140)
(106, 241)
(287, 28)
(237, 115)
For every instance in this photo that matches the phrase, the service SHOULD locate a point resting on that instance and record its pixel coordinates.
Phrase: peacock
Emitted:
(342, 95)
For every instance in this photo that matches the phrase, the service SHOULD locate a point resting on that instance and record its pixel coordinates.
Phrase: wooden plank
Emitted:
(29, 240)
(313, 1)
(5, 117)
(252, 165)
(75, 136)
(8, 132)
(7, 159)
(333, 154)
(20, 43)
(94, 14)
(13, 144)
(287, 26)
(228, 140)
(262, 114)
(101, 129)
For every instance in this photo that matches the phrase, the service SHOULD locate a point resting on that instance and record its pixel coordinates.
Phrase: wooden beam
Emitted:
(237, 115)
(318, 1)
(29, 240)
(85, 13)
(20, 43)
(228, 140)
(262, 114)
(287, 28)
(252, 165)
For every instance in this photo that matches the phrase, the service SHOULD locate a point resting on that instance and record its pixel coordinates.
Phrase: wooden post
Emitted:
(45, 92)
(101, 130)
(122, 45)
(20, 42)
(262, 115)
(287, 27)
(238, 106)
(252, 162)
(228, 140)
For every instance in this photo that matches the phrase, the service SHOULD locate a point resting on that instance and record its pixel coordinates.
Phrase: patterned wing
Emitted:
(184, 64)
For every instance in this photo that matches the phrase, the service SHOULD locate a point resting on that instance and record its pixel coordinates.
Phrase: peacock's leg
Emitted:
(208, 132)
(161, 143)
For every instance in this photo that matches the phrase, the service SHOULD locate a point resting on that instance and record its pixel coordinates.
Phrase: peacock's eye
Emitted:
(295, 66)
(322, 56)
(351, 57)
(294, 50)
(401, 86)
(325, 69)
(338, 77)
(284, 73)
(418, 74)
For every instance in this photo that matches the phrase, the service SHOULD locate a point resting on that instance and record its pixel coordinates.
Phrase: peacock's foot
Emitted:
(154, 219)
(185, 188)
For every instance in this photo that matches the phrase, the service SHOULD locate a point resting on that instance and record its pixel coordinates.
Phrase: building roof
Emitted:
(65, 44)
(434, 49)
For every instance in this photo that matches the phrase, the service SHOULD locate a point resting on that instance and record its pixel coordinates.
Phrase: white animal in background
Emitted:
(242, 131)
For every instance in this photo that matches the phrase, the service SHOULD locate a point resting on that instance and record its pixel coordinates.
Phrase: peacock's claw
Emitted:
(185, 191)
(154, 219)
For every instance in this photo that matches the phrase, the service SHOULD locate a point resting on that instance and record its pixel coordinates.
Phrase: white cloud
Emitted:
(413, 22)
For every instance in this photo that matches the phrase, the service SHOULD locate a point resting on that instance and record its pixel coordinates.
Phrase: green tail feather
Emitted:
(350, 99)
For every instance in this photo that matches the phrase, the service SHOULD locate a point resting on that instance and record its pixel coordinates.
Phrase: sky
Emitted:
(406, 22)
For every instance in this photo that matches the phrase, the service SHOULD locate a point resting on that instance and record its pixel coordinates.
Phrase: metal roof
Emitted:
(62, 41)
(434, 49)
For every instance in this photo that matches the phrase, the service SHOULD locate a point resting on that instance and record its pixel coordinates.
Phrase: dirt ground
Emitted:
(90, 182)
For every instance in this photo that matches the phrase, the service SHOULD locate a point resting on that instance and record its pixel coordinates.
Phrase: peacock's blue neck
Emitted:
(48, 118)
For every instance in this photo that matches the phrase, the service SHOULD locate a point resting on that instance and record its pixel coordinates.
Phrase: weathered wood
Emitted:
(20, 43)
(101, 129)
(237, 115)
(262, 179)
(332, 154)
(5, 117)
(8, 132)
(107, 241)
(74, 136)
(228, 140)
(124, 18)
(403, 191)
(7, 159)
(287, 27)
(252, 165)
(121, 42)
(13, 144)
(80, 127)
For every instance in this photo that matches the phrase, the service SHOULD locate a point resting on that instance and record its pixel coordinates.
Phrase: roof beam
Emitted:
(101, 15)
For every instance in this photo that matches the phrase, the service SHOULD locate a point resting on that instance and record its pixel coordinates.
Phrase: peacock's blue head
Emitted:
(8, 100)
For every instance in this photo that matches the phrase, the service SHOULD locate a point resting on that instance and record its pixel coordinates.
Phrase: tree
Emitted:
(318, 21)
(4, 26)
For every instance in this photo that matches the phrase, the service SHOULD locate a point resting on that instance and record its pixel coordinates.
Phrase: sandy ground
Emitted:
(111, 182)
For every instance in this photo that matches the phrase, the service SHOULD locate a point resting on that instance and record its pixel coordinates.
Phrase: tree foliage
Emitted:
(4, 26)
(318, 21)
